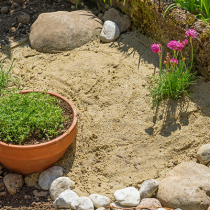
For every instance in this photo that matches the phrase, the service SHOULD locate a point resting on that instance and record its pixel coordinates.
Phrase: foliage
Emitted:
(201, 8)
(32, 114)
(5, 76)
(173, 81)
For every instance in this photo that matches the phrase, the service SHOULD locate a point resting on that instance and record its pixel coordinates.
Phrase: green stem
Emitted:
(169, 82)
(160, 59)
(192, 52)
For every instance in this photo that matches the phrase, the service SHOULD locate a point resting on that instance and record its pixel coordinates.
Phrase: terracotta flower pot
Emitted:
(27, 159)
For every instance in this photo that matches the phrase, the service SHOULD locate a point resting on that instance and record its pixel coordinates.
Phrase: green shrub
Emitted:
(32, 114)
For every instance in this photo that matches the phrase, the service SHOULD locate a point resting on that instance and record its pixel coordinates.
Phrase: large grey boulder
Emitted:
(60, 31)
(123, 21)
(186, 187)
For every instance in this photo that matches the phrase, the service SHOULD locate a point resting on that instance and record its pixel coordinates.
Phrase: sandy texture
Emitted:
(121, 140)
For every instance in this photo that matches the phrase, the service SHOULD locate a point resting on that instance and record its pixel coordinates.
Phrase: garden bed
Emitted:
(121, 140)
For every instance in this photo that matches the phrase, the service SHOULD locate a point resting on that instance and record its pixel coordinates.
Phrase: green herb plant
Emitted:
(33, 114)
(201, 8)
(173, 81)
(5, 75)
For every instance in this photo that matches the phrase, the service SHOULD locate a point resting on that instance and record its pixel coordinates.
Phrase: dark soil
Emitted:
(25, 199)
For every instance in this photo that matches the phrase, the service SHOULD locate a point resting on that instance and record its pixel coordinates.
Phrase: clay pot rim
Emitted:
(53, 141)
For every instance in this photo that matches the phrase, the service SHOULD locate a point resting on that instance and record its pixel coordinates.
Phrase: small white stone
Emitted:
(116, 204)
(110, 31)
(48, 176)
(100, 200)
(129, 196)
(161, 209)
(101, 208)
(203, 154)
(60, 185)
(82, 203)
(65, 199)
(148, 188)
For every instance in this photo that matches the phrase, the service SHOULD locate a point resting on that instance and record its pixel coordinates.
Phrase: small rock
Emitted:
(2, 189)
(1, 184)
(110, 32)
(123, 21)
(14, 5)
(60, 185)
(2, 194)
(129, 196)
(150, 203)
(12, 29)
(82, 203)
(101, 208)
(4, 10)
(65, 199)
(73, 7)
(178, 209)
(117, 205)
(148, 188)
(24, 18)
(100, 16)
(27, 197)
(161, 209)
(203, 154)
(99, 200)
(39, 194)
(48, 176)
(13, 183)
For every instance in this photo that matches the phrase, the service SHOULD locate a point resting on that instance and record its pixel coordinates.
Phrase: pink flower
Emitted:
(185, 42)
(172, 45)
(173, 61)
(179, 46)
(156, 48)
(191, 33)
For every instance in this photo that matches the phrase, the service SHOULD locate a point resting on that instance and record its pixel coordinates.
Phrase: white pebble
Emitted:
(203, 154)
(148, 188)
(110, 31)
(48, 176)
(82, 203)
(60, 185)
(65, 199)
(100, 200)
(129, 196)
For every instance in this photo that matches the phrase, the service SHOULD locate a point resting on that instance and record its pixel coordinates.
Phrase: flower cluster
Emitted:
(177, 46)
(175, 79)
(191, 33)
(156, 48)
